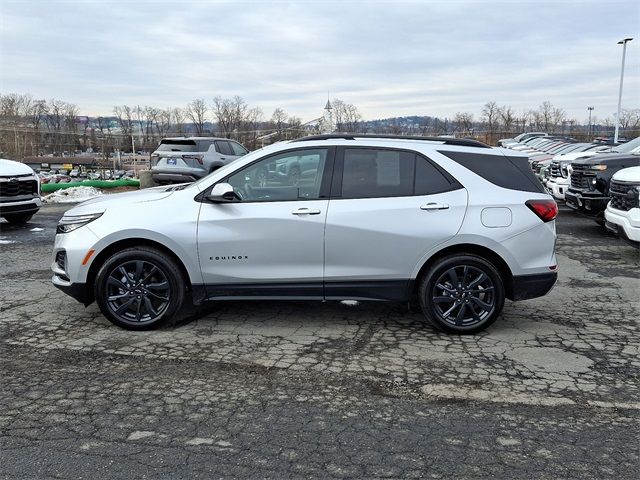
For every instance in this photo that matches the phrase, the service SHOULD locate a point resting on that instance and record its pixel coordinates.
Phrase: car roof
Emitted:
(196, 138)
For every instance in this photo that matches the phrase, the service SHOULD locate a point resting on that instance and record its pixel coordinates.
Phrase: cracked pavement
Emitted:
(323, 390)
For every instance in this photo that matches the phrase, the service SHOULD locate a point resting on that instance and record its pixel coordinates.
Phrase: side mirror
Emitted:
(222, 193)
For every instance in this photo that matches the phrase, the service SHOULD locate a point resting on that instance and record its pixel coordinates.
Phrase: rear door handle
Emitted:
(305, 211)
(434, 206)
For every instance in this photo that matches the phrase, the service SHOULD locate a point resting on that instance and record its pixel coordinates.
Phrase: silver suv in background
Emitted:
(185, 159)
(19, 192)
(454, 223)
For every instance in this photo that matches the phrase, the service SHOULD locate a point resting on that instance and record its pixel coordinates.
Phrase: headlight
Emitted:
(598, 167)
(69, 223)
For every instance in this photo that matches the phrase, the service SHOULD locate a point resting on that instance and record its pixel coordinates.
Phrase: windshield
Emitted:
(231, 166)
(628, 147)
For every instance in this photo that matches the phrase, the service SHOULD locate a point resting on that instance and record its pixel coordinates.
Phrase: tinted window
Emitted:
(377, 173)
(177, 146)
(369, 173)
(429, 179)
(295, 175)
(203, 145)
(507, 172)
(224, 148)
(238, 149)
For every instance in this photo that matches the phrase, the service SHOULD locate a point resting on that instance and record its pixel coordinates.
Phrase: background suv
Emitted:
(185, 159)
(19, 192)
(455, 223)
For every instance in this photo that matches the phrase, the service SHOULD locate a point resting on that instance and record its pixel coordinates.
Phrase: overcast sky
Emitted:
(388, 58)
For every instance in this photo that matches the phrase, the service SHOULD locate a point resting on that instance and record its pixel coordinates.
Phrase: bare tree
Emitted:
(463, 122)
(196, 111)
(507, 116)
(230, 114)
(346, 116)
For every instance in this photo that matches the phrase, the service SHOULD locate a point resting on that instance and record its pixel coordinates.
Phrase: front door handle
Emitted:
(434, 206)
(305, 211)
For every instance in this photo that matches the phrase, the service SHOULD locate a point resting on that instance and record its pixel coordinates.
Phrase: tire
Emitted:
(450, 300)
(18, 219)
(137, 305)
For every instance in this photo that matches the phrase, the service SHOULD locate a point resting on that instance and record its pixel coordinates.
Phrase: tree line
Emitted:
(33, 127)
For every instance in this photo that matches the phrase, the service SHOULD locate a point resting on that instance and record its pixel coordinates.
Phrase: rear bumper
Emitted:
(532, 286)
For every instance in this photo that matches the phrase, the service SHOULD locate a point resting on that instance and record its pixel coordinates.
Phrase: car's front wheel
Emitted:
(462, 294)
(140, 288)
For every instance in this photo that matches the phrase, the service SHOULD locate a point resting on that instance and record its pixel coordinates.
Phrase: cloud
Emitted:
(388, 58)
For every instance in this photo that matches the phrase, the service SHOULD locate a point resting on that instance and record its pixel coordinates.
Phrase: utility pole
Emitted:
(624, 52)
(590, 110)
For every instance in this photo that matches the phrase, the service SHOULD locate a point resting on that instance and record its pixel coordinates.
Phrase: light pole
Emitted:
(624, 52)
(590, 110)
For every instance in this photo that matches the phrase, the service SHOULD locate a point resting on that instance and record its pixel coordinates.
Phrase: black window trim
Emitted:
(338, 170)
(325, 183)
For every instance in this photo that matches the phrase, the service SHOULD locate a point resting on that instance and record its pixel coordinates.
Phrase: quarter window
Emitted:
(238, 149)
(295, 175)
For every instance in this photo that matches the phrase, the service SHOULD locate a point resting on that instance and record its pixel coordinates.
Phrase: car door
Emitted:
(388, 208)
(268, 243)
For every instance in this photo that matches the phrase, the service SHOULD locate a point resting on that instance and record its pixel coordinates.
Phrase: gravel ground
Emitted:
(323, 390)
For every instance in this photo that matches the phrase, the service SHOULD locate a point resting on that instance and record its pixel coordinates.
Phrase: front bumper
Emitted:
(532, 286)
(626, 224)
(589, 204)
(20, 207)
(77, 291)
(558, 187)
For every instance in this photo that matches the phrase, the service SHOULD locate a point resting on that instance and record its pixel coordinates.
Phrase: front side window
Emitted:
(295, 175)
(238, 149)
(369, 173)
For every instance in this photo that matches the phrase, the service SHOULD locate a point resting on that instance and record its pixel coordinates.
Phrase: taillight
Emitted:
(546, 210)
(197, 158)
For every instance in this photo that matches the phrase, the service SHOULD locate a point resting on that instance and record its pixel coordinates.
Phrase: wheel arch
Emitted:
(465, 249)
(120, 245)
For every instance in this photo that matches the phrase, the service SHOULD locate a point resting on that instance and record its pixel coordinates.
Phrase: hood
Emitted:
(9, 167)
(610, 157)
(631, 174)
(122, 200)
(571, 156)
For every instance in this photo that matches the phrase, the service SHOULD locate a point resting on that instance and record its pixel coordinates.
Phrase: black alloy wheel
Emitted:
(139, 288)
(462, 294)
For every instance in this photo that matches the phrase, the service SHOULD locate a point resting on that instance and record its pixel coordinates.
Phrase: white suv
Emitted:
(19, 192)
(622, 215)
(458, 224)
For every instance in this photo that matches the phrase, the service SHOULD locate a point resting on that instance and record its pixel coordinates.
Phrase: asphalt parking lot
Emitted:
(323, 390)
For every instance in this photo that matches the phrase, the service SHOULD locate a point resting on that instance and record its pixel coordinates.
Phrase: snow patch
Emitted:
(37, 229)
(350, 303)
(72, 195)
(6, 242)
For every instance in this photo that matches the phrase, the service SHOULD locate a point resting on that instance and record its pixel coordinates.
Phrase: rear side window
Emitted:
(177, 146)
(506, 172)
(203, 145)
(223, 147)
(238, 149)
(371, 173)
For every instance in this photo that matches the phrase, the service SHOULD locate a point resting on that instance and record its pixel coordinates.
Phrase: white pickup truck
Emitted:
(622, 215)
(19, 192)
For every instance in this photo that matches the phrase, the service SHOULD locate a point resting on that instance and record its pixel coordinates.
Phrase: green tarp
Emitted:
(52, 187)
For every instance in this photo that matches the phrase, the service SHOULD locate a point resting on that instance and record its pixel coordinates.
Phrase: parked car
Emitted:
(19, 192)
(179, 160)
(590, 178)
(520, 138)
(455, 223)
(622, 215)
(560, 168)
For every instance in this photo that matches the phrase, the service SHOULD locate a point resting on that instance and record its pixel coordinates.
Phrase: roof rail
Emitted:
(461, 142)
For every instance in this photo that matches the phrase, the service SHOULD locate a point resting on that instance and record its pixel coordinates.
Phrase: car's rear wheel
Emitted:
(140, 288)
(18, 219)
(462, 294)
